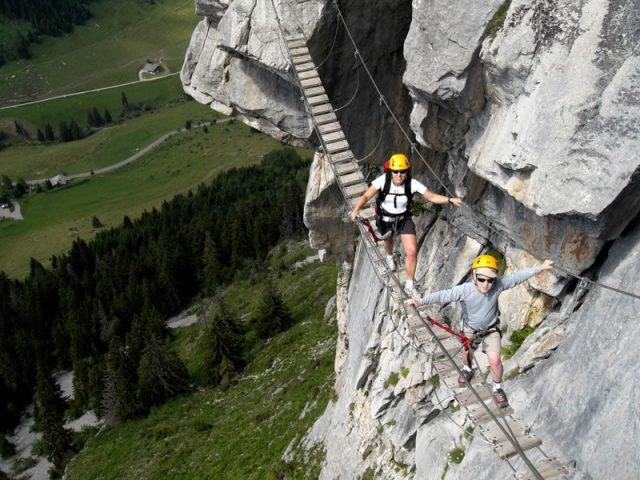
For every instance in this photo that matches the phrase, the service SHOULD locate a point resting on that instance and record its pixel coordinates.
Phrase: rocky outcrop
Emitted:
(528, 110)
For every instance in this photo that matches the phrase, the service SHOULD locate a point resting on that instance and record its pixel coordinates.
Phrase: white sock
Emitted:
(466, 368)
(390, 257)
(497, 385)
(409, 284)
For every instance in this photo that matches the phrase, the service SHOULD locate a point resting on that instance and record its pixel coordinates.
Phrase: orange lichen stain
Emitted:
(578, 245)
(550, 235)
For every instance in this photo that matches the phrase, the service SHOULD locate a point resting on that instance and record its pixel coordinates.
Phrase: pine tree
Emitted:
(271, 315)
(107, 117)
(65, 133)
(223, 347)
(211, 266)
(97, 117)
(119, 401)
(125, 101)
(40, 136)
(50, 408)
(161, 374)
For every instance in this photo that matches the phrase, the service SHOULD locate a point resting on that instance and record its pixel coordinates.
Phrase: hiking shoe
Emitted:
(500, 398)
(466, 376)
(391, 263)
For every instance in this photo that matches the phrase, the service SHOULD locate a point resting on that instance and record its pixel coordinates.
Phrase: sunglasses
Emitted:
(490, 281)
(399, 172)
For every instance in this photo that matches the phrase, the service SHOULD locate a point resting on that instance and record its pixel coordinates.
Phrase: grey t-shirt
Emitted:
(480, 310)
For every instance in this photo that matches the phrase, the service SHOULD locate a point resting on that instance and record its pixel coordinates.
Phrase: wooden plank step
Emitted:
(333, 137)
(326, 118)
(444, 367)
(305, 67)
(330, 127)
(321, 109)
(502, 445)
(355, 191)
(318, 100)
(294, 36)
(299, 51)
(467, 398)
(307, 74)
(342, 156)
(351, 179)
(479, 415)
(311, 82)
(336, 147)
(549, 469)
(312, 92)
(301, 59)
(450, 379)
(297, 42)
(345, 168)
(451, 344)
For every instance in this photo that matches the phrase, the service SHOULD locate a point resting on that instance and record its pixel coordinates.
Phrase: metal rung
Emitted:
(549, 469)
(333, 137)
(302, 59)
(311, 82)
(304, 67)
(337, 146)
(345, 168)
(351, 179)
(479, 415)
(321, 109)
(330, 127)
(355, 191)
(307, 74)
(298, 42)
(310, 92)
(502, 445)
(342, 156)
(296, 52)
(326, 118)
(467, 397)
(318, 100)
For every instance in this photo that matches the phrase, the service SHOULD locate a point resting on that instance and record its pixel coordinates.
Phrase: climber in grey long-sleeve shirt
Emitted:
(479, 302)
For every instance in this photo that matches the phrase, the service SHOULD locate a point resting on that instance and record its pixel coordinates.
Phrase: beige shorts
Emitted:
(490, 343)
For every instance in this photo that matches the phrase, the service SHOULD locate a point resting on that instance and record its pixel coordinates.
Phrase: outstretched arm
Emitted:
(366, 196)
(441, 199)
(443, 296)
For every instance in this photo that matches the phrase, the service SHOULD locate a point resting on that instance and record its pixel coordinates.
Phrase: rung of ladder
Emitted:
(333, 137)
(444, 367)
(451, 344)
(336, 147)
(345, 168)
(302, 59)
(479, 415)
(549, 469)
(310, 92)
(466, 397)
(326, 118)
(296, 43)
(311, 82)
(294, 36)
(355, 191)
(351, 179)
(318, 100)
(342, 156)
(330, 127)
(298, 52)
(321, 109)
(307, 74)
(450, 379)
(502, 445)
(305, 67)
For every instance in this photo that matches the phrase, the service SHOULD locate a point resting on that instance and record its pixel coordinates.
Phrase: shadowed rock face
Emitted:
(531, 115)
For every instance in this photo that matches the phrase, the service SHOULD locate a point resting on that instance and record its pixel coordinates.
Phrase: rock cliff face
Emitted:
(527, 109)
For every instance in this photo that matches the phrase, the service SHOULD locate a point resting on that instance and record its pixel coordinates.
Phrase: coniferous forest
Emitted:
(101, 309)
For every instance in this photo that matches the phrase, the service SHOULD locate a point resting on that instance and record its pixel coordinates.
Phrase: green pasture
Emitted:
(151, 95)
(105, 147)
(52, 220)
(109, 49)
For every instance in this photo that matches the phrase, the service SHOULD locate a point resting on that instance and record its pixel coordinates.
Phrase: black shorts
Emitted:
(402, 226)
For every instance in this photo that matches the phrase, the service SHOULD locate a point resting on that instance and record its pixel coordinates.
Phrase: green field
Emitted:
(178, 165)
(240, 431)
(109, 49)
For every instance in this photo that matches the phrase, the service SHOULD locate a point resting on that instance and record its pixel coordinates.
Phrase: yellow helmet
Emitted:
(485, 261)
(399, 161)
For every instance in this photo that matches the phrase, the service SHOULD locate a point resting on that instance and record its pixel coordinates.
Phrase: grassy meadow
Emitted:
(109, 49)
(241, 430)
